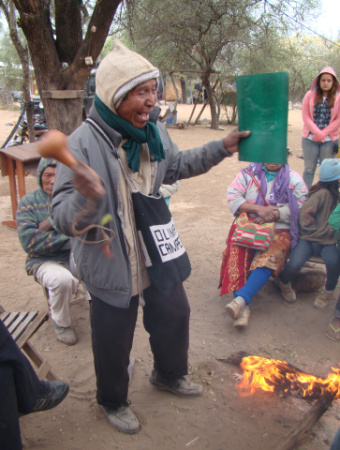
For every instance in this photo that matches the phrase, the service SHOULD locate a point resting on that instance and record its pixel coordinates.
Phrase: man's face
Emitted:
(47, 179)
(138, 104)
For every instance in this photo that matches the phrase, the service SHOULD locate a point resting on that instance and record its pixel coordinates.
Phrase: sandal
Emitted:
(332, 332)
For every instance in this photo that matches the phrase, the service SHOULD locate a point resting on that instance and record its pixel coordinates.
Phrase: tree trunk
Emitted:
(22, 51)
(211, 99)
(27, 98)
(175, 88)
(63, 114)
(184, 91)
(62, 58)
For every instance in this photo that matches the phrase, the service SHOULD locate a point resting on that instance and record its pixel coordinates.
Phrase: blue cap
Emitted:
(329, 170)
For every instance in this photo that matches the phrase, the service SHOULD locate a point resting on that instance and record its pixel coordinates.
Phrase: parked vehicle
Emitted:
(19, 134)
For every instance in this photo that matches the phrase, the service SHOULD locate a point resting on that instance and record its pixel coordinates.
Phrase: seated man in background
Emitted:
(48, 251)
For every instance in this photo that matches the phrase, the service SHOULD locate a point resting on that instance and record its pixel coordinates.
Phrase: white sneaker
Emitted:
(243, 319)
(235, 307)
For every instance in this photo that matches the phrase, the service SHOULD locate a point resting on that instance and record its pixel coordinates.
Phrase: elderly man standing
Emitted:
(48, 250)
(118, 147)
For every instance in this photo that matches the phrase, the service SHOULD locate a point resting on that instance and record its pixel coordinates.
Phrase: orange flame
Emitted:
(272, 375)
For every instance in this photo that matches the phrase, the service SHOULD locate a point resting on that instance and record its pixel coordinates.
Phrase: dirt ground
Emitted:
(220, 419)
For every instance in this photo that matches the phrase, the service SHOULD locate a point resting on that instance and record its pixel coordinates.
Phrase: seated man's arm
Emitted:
(35, 230)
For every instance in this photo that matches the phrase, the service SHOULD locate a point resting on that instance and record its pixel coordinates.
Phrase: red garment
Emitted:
(237, 261)
(235, 266)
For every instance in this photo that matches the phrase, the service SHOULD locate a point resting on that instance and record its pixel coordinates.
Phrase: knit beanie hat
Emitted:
(120, 71)
(329, 170)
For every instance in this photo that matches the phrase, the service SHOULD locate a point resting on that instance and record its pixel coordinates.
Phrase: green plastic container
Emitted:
(262, 103)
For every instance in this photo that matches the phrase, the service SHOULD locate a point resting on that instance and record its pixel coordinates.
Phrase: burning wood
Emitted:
(280, 377)
(273, 375)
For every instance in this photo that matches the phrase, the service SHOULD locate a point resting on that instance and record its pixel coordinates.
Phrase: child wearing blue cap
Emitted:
(316, 236)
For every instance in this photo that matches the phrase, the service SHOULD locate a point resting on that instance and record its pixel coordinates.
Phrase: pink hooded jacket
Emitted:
(332, 129)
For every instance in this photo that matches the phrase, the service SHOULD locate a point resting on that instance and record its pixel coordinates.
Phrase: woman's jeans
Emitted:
(312, 152)
(303, 251)
(257, 279)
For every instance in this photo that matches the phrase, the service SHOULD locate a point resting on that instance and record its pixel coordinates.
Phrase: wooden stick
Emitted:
(306, 424)
(236, 360)
(54, 145)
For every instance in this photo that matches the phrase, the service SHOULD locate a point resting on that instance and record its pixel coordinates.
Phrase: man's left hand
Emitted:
(231, 141)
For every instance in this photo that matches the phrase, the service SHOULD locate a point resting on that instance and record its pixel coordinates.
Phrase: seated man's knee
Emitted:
(65, 281)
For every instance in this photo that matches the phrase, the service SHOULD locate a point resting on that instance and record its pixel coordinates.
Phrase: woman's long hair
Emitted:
(331, 94)
(331, 186)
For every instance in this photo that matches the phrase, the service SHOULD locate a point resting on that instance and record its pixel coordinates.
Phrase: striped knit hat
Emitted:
(120, 71)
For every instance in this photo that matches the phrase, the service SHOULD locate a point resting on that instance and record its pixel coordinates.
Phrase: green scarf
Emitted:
(136, 136)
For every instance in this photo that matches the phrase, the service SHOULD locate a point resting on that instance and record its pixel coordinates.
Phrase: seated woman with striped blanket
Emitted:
(245, 271)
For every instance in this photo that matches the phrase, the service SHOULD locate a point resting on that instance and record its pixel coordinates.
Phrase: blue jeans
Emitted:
(257, 279)
(336, 442)
(337, 309)
(312, 152)
(303, 251)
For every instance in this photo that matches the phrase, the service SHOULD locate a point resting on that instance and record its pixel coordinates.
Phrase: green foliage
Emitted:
(230, 36)
(10, 68)
(108, 46)
(301, 55)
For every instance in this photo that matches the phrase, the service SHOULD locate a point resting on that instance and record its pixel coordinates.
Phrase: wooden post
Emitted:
(303, 426)
(306, 424)
(196, 102)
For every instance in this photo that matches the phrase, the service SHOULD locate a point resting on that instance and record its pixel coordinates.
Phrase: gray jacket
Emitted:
(110, 279)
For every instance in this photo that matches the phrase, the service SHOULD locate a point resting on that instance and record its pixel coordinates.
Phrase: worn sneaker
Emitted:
(287, 292)
(235, 307)
(180, 386)
(51, 394)
(66, 335)
(243, 318)
(122, 419)
(323, 298)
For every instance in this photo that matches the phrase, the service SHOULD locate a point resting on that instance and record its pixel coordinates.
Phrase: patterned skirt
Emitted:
(237, 261)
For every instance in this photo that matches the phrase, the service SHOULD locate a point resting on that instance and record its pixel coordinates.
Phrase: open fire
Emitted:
(282, 378)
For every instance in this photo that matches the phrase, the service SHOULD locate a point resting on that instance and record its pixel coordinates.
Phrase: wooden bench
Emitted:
(22, 326)
(314, 260)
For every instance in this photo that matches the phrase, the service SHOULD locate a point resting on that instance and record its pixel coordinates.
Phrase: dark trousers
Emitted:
(303, 251)
(19, 390)
(166, 319)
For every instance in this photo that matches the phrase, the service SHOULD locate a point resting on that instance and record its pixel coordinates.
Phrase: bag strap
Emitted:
(257, 185)
(132, 186)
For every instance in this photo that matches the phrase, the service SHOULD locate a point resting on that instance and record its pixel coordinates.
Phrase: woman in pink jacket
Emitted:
(321, 121)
